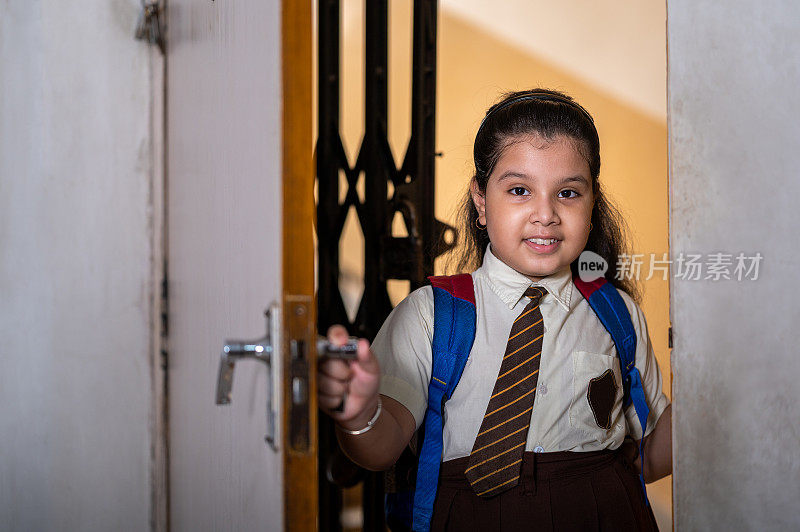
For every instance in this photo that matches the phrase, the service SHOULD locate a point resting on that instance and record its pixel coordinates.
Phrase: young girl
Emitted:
(534, 204)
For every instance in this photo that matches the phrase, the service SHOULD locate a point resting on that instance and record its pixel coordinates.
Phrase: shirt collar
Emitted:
(510, 285)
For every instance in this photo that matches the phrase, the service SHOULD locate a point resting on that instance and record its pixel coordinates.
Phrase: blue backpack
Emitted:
(454, 332)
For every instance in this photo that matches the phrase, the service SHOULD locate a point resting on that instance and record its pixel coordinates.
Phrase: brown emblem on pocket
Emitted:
(601, 394)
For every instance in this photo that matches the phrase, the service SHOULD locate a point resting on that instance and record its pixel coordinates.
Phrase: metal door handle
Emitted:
(266, 350)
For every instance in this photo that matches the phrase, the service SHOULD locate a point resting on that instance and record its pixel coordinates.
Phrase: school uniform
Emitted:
(570, 437)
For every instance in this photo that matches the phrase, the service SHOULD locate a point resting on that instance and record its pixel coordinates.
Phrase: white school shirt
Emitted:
(575, 349)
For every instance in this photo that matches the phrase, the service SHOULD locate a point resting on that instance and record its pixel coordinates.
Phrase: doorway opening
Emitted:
(611, 59)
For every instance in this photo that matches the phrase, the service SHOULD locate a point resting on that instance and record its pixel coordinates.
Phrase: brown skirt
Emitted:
(560, 491)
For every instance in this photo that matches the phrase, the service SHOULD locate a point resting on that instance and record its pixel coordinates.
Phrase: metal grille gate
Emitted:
(386, 257)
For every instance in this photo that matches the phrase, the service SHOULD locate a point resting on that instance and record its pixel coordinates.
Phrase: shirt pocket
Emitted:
(596, 406)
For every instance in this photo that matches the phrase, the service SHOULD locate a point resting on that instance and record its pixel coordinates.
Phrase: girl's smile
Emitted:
(540, 246)
(537, 205)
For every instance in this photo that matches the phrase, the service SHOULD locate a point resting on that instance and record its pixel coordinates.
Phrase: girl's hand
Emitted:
(352, 384)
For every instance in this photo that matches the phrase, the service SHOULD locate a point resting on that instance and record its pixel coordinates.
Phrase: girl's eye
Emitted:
(518, 191)
(569, 191)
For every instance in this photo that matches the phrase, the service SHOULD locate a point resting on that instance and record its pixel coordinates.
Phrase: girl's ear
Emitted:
(479, 199)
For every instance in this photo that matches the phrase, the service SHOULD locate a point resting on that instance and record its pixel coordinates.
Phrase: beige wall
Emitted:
(482, 53)
(616, 47)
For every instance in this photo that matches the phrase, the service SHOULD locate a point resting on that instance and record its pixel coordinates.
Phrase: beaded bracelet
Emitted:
(370, 423)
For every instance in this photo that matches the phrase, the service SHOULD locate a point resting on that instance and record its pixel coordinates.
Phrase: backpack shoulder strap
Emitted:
(610, 308)
(606, 302)
(453, 334)
(453, 329)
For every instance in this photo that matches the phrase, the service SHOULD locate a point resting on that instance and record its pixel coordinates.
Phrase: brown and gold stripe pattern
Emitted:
(494, 464)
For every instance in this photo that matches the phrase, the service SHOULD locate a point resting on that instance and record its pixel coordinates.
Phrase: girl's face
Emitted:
(539, 189)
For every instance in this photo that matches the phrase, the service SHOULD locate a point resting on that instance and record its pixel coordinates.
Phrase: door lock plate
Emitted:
(301, 338)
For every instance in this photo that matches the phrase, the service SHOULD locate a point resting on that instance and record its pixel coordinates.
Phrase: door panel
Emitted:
(226, 150)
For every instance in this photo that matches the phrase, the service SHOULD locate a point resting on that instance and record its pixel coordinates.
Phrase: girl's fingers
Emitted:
(366, 360)
(337, 335)
(331, 386)
(335, 369)
(366, 373)
(357, 379)
(329, 402)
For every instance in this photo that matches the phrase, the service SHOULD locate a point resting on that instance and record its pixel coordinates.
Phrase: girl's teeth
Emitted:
(542, 241)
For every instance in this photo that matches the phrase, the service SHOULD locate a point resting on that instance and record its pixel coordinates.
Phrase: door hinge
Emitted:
(669, 338)
(150, 26)
(164, 333)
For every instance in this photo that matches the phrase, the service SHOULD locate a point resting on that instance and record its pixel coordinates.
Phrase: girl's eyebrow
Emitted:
(509, 175)
(575, 178)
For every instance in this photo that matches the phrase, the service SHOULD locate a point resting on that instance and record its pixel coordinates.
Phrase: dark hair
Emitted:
(549, 114)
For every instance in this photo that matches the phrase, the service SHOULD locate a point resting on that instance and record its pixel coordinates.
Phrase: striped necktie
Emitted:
(496, 458)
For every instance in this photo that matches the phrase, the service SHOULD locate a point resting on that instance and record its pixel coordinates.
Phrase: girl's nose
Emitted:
(543, 211)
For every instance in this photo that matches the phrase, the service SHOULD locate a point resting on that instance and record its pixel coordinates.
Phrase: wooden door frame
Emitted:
(301, 498)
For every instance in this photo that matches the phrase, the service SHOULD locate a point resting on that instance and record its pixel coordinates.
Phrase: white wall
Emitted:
(617, 47)
(76, 260)
(734, 156)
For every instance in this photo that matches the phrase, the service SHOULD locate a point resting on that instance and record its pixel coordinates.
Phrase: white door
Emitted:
(228, 261)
